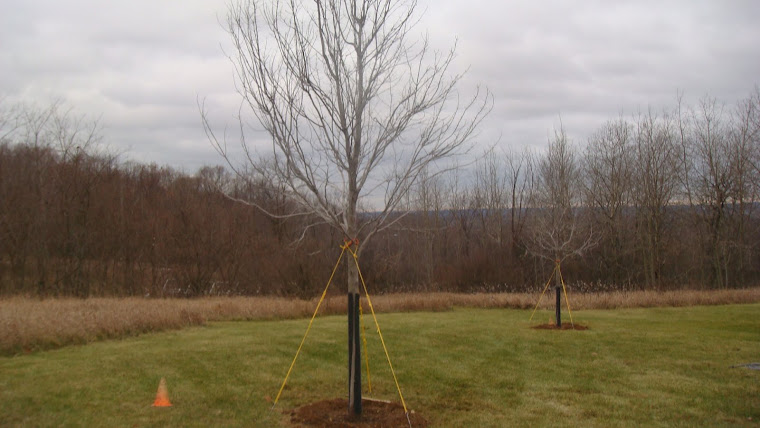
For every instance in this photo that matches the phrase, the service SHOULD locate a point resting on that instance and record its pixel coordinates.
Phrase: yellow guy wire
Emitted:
(387, 356)
(324, 293)
(567, 302)
(364, 340)
(542, 293)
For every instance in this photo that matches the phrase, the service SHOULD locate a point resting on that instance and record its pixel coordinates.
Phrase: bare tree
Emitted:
(489, 195)
(709, 178)
(355, 110)
(461, 209)
(719, 146)
(607, 169)
(753, 109)
(655, 185)
(60, 171)
(430, 199)
(744, 137)
(521, 181)
(504, 184)
(10, 120)
(558, 230)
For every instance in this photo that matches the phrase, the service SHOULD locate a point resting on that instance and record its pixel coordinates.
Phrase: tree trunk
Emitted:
(354, 345)
(558, 299)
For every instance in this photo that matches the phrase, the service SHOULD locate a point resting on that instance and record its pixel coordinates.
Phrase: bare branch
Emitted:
(354, 109)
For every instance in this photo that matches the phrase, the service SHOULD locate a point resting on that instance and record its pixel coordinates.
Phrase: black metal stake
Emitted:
(354, 357)
(558, 310)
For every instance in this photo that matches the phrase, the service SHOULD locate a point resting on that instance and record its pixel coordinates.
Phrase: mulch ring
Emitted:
(334, 413)
(565, 326)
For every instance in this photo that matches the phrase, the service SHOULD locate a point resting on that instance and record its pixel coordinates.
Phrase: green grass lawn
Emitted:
(468, 367)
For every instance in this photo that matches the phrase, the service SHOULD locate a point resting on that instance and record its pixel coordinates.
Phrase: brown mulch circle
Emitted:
(334, 413)
(565, 326)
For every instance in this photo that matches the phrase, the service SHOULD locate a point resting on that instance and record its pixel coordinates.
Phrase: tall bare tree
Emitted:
(655, 185)
(607, 169)
(430, 198)
(10, 119)
(489, 195)
(719, 176)
(710, 179)
(745, 159)
(521, 181)
(355, 109)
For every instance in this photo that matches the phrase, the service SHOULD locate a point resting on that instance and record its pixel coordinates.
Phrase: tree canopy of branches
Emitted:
(355, 107)
(558, 229)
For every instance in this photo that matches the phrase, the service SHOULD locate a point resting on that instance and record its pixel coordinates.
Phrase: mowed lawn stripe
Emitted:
(466, 367)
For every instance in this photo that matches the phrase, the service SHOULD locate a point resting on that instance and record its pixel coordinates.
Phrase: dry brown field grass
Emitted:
(28, 324)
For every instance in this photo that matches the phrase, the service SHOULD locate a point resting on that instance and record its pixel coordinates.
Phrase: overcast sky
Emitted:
(140, 65)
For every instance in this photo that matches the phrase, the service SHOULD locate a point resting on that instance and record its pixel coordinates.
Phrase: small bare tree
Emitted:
(356, 111)
(558, 230)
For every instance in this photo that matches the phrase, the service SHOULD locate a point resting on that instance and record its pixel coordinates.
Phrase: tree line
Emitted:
(662, 199)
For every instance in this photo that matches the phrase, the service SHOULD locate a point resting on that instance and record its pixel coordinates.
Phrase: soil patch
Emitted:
(565, 326)
(334, 413)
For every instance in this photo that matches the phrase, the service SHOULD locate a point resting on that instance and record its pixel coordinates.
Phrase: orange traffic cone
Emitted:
(162, 396)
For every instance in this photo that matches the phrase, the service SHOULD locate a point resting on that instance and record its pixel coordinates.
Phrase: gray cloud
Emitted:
(590, 61)
(140, 65)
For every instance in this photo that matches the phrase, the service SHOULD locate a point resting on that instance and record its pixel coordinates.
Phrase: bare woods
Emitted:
(658, 200)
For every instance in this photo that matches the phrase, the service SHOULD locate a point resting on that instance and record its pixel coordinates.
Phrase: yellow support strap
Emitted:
(387, 356)
(567, 302)
(324, 293)
(364, 340)
(542, 293)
